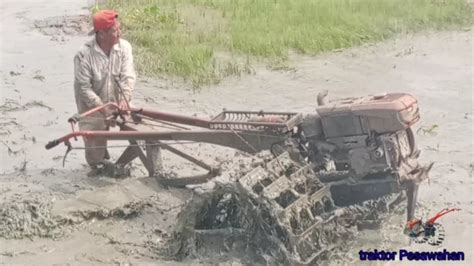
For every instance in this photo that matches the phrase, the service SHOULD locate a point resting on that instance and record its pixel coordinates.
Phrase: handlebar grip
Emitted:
(52, 144)
(74, 119)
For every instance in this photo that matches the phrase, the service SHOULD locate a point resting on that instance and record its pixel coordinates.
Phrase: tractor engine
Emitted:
(367, 139)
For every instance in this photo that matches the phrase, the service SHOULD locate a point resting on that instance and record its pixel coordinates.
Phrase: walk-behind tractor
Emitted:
(328, 170)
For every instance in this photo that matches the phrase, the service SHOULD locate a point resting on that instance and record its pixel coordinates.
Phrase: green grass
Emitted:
(206, 40)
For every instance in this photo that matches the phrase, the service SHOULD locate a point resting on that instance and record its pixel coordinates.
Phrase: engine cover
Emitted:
(366, 115)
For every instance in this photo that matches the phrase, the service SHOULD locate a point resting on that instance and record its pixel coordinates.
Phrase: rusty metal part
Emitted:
(226, 138)
(279, 213)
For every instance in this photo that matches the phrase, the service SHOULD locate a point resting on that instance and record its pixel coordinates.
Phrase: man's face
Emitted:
(112, 35)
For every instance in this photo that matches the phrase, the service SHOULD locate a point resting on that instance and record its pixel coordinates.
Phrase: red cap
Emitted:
(103, 19)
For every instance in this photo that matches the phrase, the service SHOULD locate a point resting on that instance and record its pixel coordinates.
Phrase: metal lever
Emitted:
(69, 148)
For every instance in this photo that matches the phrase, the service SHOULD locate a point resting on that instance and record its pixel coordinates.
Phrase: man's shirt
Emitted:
(96, 75)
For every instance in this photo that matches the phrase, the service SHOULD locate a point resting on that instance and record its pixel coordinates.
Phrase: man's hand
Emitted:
(108, 110)
(125, 110)
(124, 105)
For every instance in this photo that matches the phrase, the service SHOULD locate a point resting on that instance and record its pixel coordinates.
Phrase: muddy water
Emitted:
(37, 98)
(36, 79)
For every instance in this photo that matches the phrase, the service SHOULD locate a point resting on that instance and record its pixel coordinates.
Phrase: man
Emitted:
(102, 63)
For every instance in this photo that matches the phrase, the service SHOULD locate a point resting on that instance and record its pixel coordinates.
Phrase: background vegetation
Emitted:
(206, 40)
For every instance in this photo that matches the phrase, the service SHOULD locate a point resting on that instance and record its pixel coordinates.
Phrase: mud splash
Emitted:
(11, 105)
(127, 211)
(61, 27)
(28, 218)
(36, 218)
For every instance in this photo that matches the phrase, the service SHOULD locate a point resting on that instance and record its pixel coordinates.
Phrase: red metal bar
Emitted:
(99, 108)
(412, 223)
(224, 137)
(441, 213)
(188, 120)
(133, 135)
(180, 119)
(77, 117)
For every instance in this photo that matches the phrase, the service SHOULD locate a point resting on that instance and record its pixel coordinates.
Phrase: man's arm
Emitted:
(83, 81)
(127, 73)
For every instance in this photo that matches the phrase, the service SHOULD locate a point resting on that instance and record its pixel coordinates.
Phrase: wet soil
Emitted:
(52, 214)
